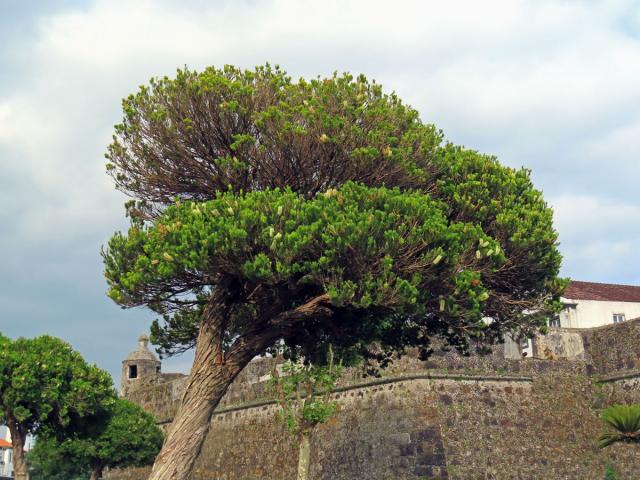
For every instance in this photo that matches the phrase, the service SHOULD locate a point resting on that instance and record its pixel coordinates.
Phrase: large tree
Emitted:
(129, 437)
(305, 213)
(47, 386)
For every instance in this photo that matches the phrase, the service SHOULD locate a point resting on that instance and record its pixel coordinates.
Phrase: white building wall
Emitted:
(595, 313)
(6, 463)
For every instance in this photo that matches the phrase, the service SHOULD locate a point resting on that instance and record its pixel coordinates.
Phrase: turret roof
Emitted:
(142, 352)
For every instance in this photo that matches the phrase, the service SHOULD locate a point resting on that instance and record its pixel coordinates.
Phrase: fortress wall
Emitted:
(614, 347)
(439, 428)
(163, 398)
(622, 388)
(450, 417)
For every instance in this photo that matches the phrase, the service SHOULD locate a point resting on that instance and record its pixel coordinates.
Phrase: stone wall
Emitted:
(451, 417)
(615, 347)
(453, 427)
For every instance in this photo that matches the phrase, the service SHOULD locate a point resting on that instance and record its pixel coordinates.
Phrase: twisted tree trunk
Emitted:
(209, 380)
(210, 377)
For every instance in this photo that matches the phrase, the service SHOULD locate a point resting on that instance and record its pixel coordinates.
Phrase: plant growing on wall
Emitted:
(303, 391)
(266, 210)
(129, 437)
(46, 386)
(625, 421)
(610, 473)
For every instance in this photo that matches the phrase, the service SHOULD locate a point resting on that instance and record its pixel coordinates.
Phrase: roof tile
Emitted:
(604, 292)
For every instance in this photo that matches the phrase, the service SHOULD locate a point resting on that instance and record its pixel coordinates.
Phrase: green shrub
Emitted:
(625, 420)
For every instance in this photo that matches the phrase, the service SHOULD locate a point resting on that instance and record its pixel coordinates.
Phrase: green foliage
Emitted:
(610, 473)
(271, 237)
(199, 133)
(272, 192)
(48, 462)
(129, 437)
(45, 384)
(303, 393)
(625, 420)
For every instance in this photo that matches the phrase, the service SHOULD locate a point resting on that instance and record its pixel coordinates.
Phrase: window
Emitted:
(618, 317)
(133, 371)
(555, 322)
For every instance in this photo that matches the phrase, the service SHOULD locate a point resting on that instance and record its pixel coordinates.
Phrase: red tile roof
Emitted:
(605, 292)
(4, 444)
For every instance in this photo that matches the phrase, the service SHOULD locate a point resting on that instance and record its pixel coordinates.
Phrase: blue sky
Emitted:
(550, 85)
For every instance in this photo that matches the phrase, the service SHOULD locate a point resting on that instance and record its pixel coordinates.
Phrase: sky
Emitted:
(553, 86)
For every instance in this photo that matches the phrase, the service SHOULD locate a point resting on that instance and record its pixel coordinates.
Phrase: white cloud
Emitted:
(548, 84)
(536, 82)
(600, 237)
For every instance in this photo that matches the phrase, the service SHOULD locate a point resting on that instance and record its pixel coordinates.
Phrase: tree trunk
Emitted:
(96, 473)
(209, 379)
(18, 438)
(304, 457)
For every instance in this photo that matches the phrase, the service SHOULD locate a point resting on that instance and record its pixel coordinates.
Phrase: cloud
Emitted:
(600, 237)
(544, 84)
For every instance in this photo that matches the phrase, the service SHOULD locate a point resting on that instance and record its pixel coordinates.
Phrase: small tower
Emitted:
(140, 366)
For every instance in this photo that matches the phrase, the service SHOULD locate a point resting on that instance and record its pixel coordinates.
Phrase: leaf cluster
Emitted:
(370, 250)
(45, 384)
(129, 437)
(303, 392)
(625, 420)
(199, 133)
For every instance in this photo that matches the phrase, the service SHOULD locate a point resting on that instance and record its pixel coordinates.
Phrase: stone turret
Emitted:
(140, 366)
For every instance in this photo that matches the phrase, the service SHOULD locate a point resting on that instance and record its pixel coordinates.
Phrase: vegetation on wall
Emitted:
(303, 391)
(624, 420)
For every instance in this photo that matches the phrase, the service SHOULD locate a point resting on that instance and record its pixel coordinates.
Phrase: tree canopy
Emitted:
(223, 135)
(47, 386)
(306, 213)
(129, 437)
(372, 251)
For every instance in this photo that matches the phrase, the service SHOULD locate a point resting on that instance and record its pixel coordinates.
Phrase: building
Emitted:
(590, 304)
(6, 458)
(140, 365)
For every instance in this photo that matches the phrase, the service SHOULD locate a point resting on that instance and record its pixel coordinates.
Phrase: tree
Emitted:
(129, 438)
(304, 392)
(313, 212)
(47, 386)
(48, 462)
(625, 420)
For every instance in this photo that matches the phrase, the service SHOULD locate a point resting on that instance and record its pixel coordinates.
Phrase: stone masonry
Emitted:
(450, 417)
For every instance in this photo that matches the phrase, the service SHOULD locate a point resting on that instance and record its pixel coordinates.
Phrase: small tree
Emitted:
(129, 438)
(625, 420)
(48, 462)
(304, 392)
(47, 386)
(266, 210)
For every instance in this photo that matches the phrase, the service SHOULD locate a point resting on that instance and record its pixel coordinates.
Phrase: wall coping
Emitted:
(376, 382)
(619, 376)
